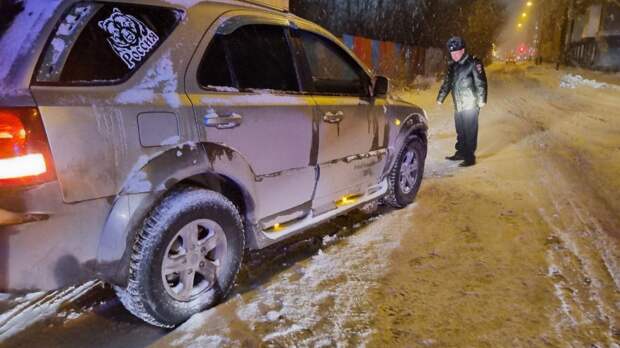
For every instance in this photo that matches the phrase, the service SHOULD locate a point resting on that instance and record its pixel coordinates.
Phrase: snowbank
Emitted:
(573, 81)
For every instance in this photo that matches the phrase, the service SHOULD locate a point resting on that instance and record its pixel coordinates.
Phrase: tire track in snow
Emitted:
(39, 306)
(583, 264)
(583, 258)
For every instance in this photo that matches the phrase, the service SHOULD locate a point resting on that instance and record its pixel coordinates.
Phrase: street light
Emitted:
(524, 15)
(529, 4)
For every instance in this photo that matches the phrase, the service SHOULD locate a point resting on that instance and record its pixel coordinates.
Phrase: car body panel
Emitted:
(117, 152)
(165, 171)
(107, 117)
(56, 248)
(271, 121)
(348, 162)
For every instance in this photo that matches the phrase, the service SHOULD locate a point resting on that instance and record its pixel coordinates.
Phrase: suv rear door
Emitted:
(245, 91)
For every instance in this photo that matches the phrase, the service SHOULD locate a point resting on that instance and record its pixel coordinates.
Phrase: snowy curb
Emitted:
(573, 81)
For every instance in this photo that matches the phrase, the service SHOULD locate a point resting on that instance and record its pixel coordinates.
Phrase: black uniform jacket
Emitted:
(467, 81)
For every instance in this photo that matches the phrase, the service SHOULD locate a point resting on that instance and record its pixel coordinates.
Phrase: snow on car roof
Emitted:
(278, 5)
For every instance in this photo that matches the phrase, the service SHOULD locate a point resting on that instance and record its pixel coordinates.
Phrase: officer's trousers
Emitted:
(466, 123)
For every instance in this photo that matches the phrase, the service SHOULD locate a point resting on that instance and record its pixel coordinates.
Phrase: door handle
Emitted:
(213, 120)
(333, 118)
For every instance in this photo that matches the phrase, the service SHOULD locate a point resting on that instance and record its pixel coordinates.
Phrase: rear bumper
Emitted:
(46, 244)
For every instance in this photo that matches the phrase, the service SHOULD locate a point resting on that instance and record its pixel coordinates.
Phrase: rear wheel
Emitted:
(185, 257)
(406, 175)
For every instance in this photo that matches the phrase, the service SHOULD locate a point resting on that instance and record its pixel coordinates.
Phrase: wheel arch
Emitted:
(206, 165)
(414, 125)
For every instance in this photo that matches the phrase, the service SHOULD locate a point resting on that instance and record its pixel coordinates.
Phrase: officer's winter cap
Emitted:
(456, 43)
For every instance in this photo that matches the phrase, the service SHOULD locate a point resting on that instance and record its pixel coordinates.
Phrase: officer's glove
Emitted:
(481, 105)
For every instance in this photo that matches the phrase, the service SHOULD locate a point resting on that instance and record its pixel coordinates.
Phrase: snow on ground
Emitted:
(585, 252)
(573, 81)
(514, 240)
(318, 302)
(38, 306)
(521, 250)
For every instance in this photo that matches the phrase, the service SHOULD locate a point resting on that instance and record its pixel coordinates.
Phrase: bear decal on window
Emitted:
(130, 39)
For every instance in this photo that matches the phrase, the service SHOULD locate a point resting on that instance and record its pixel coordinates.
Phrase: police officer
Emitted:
(467, 81)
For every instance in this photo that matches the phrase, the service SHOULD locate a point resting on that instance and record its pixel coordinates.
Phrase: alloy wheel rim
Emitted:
(409, 172)
(193, 259)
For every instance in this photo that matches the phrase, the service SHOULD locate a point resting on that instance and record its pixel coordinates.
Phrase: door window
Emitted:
(215, 71)
(253, 57)
(333, 70)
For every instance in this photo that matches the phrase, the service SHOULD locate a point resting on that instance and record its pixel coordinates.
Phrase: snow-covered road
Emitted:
(522, 250)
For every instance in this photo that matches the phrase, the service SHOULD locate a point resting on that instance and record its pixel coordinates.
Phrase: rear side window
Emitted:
(333, 70)
(104, 43)
(252, 57)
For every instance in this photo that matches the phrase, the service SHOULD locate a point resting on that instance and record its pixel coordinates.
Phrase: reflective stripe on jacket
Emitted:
(467, 81)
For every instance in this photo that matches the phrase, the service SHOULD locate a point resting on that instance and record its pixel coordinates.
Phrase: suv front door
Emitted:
(352, 132)
(246, 97)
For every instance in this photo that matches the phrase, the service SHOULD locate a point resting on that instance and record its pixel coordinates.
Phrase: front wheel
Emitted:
(185, 257)
(406, 174)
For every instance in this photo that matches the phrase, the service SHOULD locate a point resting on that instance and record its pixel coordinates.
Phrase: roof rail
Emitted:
(268, 5)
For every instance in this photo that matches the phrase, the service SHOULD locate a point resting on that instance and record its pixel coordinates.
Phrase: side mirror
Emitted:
(382, 86)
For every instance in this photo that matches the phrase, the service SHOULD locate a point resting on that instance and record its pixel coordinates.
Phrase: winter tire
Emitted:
(406, 174)
(185, 257)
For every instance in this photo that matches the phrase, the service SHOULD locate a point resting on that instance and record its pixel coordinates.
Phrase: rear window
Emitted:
(98, 43)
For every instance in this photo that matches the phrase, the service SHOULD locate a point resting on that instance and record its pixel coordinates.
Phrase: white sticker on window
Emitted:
(130, 39)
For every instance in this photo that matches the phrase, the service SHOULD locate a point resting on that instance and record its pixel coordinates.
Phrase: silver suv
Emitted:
(149, 143)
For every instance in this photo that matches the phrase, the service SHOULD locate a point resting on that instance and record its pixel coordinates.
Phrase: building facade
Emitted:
(594, 41)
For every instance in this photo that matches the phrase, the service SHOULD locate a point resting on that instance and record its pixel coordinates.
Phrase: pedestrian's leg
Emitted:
(460, 134)
(470, 130)
(475, 132)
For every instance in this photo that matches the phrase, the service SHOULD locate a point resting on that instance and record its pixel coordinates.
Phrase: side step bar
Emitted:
(266, 239)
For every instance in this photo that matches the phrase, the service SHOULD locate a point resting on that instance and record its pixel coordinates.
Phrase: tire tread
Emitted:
(391, 198)
(132, 297)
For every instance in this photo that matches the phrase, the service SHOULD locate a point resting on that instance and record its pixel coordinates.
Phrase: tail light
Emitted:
(25, 157)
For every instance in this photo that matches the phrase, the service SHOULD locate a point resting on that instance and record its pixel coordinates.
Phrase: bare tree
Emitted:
(389, 20)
